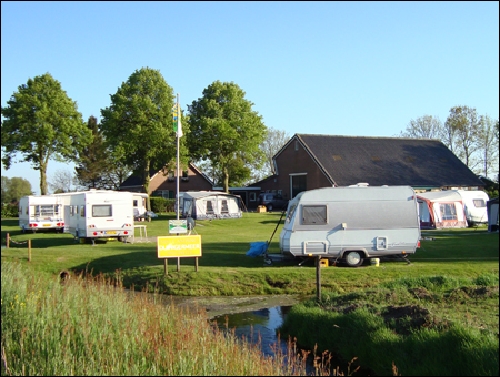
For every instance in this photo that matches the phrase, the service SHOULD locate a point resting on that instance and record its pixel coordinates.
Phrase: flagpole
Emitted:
(178, 120)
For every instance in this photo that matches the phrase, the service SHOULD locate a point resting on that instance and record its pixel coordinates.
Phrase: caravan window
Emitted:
(478, 203)
(314, 215)
(45, 210)
(101, 210)
(291, 213)
(82, 211)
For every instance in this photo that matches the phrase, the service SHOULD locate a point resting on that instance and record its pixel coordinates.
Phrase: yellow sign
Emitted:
(179, 246)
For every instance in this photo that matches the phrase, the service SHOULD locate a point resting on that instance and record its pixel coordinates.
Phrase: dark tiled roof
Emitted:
(388, 161)
(136, 179)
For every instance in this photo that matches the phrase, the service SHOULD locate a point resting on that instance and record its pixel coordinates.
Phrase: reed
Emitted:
(85, 325)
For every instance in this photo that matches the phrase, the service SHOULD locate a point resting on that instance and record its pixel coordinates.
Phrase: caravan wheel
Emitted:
(354, 258)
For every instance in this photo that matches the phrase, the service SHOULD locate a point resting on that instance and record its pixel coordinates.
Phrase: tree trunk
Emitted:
(225, 175)
(43, 180)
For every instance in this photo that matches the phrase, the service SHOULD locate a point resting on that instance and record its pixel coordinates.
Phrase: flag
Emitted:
(176, 113)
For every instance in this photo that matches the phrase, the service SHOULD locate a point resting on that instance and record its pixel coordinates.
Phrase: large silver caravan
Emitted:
(350, 224)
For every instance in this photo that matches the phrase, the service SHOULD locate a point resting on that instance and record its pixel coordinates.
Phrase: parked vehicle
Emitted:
(38, 212)
(273, 201)
(139, 201)
(475, 206)
(94, 214)
(351, 224)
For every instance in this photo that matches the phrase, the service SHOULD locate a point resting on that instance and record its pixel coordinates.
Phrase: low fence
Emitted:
(10, 240)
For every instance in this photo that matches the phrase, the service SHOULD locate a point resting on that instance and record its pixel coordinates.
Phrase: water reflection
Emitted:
(258, 327)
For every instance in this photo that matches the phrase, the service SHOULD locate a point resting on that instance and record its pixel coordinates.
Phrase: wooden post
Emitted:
(165, 266)
(318, 278)
(196, 264)
(178, 264)
(29, 250)
(8, 240)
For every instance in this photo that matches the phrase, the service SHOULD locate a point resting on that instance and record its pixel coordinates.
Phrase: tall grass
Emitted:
(89, 326)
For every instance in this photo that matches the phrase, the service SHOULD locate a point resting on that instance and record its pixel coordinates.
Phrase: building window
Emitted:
(253, 197)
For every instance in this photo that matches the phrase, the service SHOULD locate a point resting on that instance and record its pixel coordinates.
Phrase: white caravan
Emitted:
(353, 223)
(96, 214)
(140, 205)
(38, 212)
(475, 207)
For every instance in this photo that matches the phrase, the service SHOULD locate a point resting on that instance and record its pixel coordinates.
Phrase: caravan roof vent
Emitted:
(360, 184)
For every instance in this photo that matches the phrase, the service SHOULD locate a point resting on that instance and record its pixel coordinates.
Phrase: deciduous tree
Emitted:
(425, 127)
(224, 128)
(61, 181)
(488, 145)
(42, 123)
(14, 188)
(271, 145)
(138, 123)
(462, 130)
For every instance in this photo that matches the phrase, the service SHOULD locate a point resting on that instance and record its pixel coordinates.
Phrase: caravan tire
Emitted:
(353, 258)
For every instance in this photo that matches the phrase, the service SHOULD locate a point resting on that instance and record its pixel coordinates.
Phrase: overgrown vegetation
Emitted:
(89, 327)
(437, 315)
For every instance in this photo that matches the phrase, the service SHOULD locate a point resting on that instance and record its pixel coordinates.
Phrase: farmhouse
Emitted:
(164, 182)
(309, 161)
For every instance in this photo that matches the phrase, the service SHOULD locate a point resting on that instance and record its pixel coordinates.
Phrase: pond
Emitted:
(255, 318)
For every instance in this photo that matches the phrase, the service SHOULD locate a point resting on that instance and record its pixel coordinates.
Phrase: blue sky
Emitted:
(336, 68)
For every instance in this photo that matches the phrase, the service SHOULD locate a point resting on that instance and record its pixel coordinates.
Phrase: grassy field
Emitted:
(424, 310)
(225, 269)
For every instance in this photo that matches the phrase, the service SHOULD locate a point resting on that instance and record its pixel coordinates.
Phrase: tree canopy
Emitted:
(463, 128)
(275, 140)
(42, 123)
(225, 130)
(425, 127)
(137, 125)
(14, 188)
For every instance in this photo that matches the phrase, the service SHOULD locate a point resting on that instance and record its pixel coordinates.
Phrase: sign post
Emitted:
(179, 247)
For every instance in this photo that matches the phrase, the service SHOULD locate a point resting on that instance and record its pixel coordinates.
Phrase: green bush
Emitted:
(162, 205)
(10, 210)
